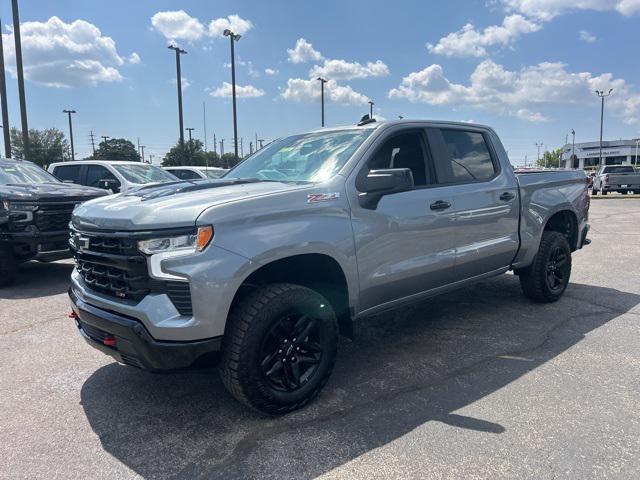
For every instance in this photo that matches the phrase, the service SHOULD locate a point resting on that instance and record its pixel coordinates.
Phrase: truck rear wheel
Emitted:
(279, 348)
(546, 279)
(8, 266)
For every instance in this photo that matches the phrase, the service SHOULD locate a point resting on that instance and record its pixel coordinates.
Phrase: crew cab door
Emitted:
(405, 241)
(484, 189)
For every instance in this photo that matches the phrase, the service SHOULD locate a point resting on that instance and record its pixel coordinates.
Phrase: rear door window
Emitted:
(67, 173)
(462, 156)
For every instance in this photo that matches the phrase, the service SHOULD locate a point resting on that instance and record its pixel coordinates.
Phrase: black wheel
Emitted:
(279, 348)
(603, 192)
(624, 192)
(8, 266)
(594, 191)
(546, 279)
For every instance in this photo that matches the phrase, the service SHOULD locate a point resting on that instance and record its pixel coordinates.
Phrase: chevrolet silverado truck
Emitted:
(616, 178)
(267, 266)
(35, 210)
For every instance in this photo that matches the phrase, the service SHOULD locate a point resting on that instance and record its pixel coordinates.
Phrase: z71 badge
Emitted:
(322, 197)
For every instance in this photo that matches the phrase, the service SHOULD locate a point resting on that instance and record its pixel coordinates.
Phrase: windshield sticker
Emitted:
(322, 197)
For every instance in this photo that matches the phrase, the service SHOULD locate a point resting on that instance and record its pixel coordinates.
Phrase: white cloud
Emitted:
(515, 93)
(178, 25)
(235, 23)
(469, 42)
(587, 37)
(133, 59)
(301, 90)
(271, 71)
(548, 9)
(59, 54)
(341, 69)
(242, 91)
(185, 82)
(303, 52)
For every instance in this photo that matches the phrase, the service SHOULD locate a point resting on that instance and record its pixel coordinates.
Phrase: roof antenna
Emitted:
(366, 119)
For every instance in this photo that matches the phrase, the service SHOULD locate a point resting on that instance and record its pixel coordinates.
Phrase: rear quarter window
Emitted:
(68, 173)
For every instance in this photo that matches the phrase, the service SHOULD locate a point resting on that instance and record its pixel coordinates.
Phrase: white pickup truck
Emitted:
(616, 178)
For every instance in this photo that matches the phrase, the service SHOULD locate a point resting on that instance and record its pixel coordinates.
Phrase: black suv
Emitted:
(35, 209)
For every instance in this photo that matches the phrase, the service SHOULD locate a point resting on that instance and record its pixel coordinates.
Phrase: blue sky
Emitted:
(526, 67)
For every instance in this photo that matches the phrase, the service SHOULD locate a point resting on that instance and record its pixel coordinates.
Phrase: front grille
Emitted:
(113, 266)
(53, 217)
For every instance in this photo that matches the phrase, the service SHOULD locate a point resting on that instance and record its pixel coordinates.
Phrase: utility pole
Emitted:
(215, 144)
(322, 82)
(142, 149)
(241, 149)
(602, 96)
(221, 148)
(73, 152)
(204, 119)
(250, 148)
(538, 145)
(233, 38)
(179, 52)
(5, 108)
(105, 138)
(93, 145)
(23, 101)
(635, 163)
(371, 104)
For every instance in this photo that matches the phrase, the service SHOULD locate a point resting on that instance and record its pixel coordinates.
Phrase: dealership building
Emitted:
(586, 155)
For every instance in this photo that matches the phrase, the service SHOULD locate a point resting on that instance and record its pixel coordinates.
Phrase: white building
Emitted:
(586, 155)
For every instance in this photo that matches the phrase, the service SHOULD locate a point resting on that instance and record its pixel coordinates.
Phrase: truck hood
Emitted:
(169, 205)
(48, 192)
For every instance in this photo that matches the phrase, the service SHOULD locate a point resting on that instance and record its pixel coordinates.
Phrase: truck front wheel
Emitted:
(279, 348)
(8, 266)
(546, 279)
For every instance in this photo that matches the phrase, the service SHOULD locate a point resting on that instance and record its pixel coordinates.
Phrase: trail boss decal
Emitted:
(322, 197)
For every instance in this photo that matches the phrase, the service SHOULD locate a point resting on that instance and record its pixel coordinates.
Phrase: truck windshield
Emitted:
(20, 173)
(144, 174)
(312, 157)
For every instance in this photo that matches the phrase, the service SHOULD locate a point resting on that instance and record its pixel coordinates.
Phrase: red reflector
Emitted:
(73, 314)
(109, 342)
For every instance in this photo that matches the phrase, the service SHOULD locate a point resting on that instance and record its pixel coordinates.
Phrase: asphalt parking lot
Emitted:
(480, 383)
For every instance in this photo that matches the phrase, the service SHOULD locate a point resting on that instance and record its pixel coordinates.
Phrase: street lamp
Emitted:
(602, 96)
(322, 82)
(69, 112)
(232, 39)
(179, 52)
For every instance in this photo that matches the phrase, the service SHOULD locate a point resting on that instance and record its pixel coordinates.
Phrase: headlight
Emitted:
(20, 207)
(195, 242)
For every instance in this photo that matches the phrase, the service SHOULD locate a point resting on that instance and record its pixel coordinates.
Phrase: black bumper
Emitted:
(126, 340)
(41, 246)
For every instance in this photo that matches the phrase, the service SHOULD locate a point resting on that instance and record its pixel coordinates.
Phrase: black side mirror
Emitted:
(109, 184)
(379, 183)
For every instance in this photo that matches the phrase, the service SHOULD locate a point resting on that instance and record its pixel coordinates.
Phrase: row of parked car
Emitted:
(36, 205)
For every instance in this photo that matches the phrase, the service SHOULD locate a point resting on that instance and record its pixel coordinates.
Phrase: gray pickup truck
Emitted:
(266, 266)
(616, 178)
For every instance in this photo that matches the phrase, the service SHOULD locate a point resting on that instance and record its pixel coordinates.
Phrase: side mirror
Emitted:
(379, 183)
(109, 184)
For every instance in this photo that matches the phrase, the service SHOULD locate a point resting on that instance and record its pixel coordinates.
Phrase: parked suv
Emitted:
(35, 210)
(306, 237)
(196, 173)
(114, 176)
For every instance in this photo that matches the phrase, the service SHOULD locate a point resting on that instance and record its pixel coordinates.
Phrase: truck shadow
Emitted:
(36, 280)
(416, 365)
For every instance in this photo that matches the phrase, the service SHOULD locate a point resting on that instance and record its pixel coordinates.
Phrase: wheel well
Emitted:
(566, 223)
(318, 272)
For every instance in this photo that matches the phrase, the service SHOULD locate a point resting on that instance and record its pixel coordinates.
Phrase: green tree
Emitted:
(550, 159)
(190, 154)
(229, 160)
(117, 149)
(45, 146)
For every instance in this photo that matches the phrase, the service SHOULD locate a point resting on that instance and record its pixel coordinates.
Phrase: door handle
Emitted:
(440, 205)
(507, 196)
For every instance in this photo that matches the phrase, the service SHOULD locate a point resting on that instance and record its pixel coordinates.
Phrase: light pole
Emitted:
(538, 145)
(190, 129)
(3, 99)
(371, 104)
(73, 152)
(179, 52)
(635, 163)
(602, 96)
(322, 82)
(232, 39)
(20, 74)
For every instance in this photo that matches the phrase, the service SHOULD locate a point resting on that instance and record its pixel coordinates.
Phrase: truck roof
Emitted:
(404, 121)
(98, 162)
(11, 161)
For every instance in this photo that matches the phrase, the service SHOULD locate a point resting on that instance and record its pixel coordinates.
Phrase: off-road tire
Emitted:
(8, 266)
(594, 191)
(249, 324)
(533, 279)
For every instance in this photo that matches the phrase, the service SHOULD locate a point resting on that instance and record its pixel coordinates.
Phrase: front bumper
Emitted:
(128, 342)
(40, 246)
